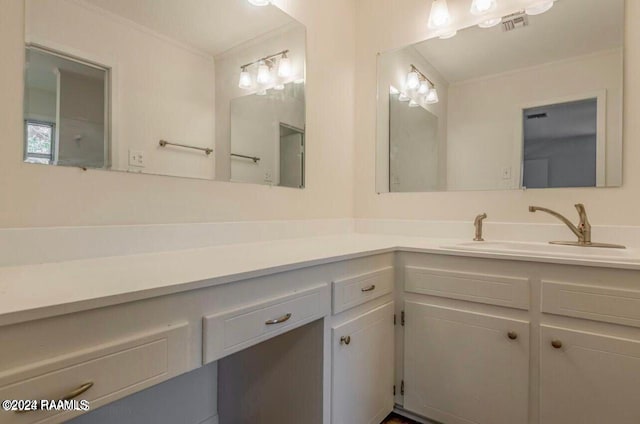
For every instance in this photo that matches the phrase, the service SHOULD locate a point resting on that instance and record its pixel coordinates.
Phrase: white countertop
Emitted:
(38, 291)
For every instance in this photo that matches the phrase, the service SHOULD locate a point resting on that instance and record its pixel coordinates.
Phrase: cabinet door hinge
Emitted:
(402, 318)
(402, 387)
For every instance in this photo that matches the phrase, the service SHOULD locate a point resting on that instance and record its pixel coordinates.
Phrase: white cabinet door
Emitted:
(463, 367)
(362, 374)
(588, 378)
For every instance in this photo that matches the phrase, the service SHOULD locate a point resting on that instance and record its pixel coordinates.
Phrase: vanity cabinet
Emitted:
(588, 378)
(362, 369)
(465, 367)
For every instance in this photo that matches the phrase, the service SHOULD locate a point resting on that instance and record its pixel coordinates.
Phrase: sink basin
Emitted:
(547, 250)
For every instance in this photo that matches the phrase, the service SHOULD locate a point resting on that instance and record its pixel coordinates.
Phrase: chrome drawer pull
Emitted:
(279, 320)
(71, 395)
(372, 287)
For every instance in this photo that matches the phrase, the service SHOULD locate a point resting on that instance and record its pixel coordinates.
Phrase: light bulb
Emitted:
(539, 8)
(403, 97)
(264, 74)
(490, 23)
(480, 7)
(245, 80)
(278, 87)
(432, 97)
(284, 67)
(413, 103)
(413, 80)
(439, 16)
(260, 2)
(448, 34)
(424, 88)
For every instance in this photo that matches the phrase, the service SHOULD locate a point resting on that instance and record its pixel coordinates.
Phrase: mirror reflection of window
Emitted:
(66, 111)
(560, 145)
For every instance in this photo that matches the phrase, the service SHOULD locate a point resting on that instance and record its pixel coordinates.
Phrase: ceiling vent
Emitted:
(515, 21)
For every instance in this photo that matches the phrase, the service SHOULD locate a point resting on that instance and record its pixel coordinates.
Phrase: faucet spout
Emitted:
(582, 230)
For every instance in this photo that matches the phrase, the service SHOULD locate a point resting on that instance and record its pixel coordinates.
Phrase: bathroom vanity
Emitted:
(453, 336)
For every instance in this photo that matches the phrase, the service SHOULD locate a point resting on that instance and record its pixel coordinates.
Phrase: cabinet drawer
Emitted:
(606, 304)
(112, 371)
(231, 331)
(362, 288)
(501, 290)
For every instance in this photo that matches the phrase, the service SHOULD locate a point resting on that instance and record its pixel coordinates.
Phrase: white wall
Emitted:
(32, 195)
(392, 70)
(485, 116)
(228, 64)
(384, 25)
(161, 89)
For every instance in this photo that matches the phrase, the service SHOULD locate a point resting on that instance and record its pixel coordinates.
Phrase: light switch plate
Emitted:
(136, 158)
(506, 173)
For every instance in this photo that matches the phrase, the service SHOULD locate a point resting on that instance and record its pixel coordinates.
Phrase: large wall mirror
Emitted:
(531, 99)
(211, 89)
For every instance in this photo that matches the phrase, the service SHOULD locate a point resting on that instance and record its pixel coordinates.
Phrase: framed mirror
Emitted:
(210, 89)
(522, 100)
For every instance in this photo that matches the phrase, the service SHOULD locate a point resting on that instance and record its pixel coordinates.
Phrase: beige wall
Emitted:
(404, 22)
(33, 195)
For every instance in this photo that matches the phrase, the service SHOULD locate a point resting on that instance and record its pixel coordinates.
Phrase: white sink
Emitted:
(548, 250)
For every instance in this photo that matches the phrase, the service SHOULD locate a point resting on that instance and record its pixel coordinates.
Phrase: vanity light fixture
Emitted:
(299, 81)
(284, 66)
(264, 75)
(278, 87)
(425, 86)
(490, 23)
(260, 2)
(413, 103)
(439, 17)
(539, 7)
(393, 90)
(413, 79)
(480, 7)
(403, 97)
(261, 92)
(245, 79)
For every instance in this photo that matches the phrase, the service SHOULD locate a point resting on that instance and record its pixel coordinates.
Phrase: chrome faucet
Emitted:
(478, 224)
(582, 230)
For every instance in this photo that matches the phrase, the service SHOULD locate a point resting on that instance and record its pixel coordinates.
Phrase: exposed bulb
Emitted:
(245, 80)
(539, 8)
(432, 97)
(448, 34)
(490, 23)
(284, 67)
(264, 74)
(439, 16)
(413, 80)
(424, 88)
(480, 7)
(260, 2)
(403, 97)
(413, 103)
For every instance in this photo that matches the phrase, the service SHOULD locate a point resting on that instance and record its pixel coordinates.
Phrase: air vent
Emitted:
(537, 116)
(515, 21)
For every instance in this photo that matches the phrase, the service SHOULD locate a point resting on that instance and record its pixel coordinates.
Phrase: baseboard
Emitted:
(401, 411)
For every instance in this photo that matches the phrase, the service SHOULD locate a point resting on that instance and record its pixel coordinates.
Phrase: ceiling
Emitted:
(571, 28)
(212, 26)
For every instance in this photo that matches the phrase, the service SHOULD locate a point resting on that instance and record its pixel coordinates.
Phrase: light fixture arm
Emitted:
(423, 77)
(267, 59)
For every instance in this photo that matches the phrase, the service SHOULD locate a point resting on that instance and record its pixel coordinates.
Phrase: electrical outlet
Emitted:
(506, 173)
(136, 158)
(267, 177)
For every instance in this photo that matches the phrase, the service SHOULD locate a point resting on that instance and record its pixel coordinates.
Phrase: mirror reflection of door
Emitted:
(66, 111)
(560, 145)
(291, 156)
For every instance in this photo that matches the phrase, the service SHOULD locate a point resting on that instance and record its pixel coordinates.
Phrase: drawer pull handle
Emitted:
(279, 320)
(512, 335)
(345, 340)
(71, 395)
(368, 289)
(557, 344)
